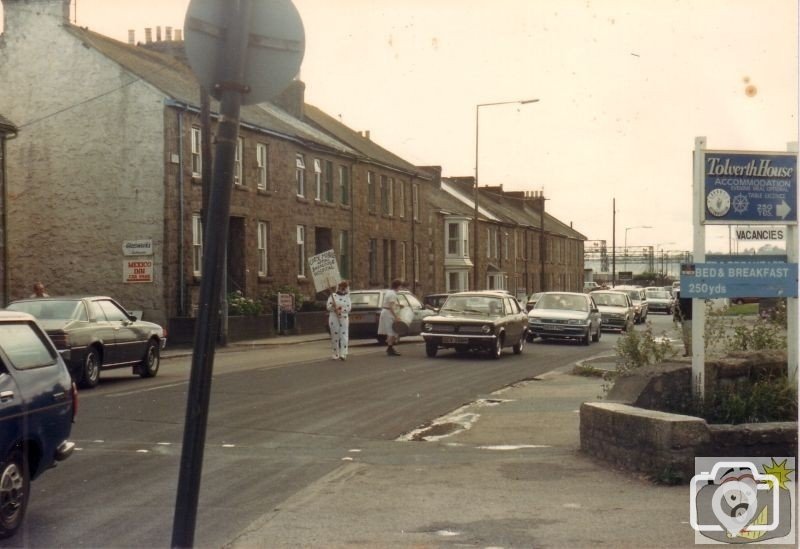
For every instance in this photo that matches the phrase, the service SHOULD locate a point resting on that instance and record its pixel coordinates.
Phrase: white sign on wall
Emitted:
(137, 270)
(137, 247)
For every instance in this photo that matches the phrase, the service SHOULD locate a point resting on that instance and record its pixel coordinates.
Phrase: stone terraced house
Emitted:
(107, 159)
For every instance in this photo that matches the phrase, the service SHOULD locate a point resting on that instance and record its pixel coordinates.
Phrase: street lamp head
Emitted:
(525, 102)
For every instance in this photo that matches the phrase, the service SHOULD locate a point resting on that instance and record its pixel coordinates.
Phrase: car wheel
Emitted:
(497, 351)
(431, 349)
(521, 344)
(90, 373)
(151, 361)
(596, 336)
(587, 337)
(14, 492)
(381, 339)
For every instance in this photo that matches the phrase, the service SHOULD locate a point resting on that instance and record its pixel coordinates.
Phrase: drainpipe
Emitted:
(4, 181)
(181, 265)
(413, 241)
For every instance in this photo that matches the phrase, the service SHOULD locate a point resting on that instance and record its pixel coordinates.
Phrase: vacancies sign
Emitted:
(750, 187)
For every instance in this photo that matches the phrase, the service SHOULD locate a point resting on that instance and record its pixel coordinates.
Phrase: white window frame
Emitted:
(263, 250)
(461, 283)
(344, 184)
(390, 192)
(300, 174)
(401, 197)
(415, 202)
(496, 281)
(197, 156)
(262, 163)
(416, 262)
(344, 254)
(505, 245)
(237, 162)
(318, 179)
(197, 245)
(402, 262)
(301, 251)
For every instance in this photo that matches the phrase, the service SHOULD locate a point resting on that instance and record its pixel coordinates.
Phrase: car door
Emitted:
(512, 321)
(128, 342)
(11, 408)
(595, 316)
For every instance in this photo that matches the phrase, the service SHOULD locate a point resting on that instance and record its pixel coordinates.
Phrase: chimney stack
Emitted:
(168, 34)
(158, 33)
(178, 35)
(148, 35)
(131, 37)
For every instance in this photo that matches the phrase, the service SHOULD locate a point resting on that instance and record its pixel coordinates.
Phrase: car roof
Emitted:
(488, 293)
(567, 293)
(11, 316)
(63, 298)
(609, 292)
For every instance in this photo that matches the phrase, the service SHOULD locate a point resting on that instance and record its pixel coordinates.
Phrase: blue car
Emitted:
(38, 401)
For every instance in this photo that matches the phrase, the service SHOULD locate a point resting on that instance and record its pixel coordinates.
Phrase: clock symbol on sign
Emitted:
(718, 202)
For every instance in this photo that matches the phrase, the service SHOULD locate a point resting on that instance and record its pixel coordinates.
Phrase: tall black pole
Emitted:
(613, 242)
(230, 86)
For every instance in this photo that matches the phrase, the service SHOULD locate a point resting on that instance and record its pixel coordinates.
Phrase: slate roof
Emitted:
(177, 82)
(511, 209)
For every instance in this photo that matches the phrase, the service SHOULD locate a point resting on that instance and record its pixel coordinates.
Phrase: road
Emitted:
(280, 418)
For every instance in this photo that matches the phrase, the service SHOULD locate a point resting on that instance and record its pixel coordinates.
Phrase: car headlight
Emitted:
(427, 327)
(577, 321)
(487, 328)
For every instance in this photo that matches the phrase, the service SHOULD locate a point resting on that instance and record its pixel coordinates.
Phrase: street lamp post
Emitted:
(661, 245)
(625, 247)
(475, 258)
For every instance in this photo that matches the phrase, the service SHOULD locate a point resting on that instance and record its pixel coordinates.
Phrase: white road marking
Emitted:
(115, 395)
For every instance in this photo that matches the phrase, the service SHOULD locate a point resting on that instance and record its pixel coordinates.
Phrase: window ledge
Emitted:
(302, 199)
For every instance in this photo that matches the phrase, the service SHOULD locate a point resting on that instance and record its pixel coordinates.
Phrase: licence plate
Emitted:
(449, 340)
(556, 328)
(356, 317)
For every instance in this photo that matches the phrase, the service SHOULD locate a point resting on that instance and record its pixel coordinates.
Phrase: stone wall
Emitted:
(661, 444)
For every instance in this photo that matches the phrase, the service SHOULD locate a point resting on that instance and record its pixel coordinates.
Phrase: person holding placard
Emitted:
(338, 307)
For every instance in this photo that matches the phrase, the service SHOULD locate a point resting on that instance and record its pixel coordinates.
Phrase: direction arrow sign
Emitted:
(750, 187)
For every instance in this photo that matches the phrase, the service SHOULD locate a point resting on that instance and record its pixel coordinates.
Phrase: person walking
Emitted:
(683, 314)
(389, 312)
(338, 307)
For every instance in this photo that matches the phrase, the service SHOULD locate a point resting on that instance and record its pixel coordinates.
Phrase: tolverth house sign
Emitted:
(749, 187)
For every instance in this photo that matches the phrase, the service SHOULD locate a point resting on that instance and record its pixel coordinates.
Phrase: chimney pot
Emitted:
(131, 37)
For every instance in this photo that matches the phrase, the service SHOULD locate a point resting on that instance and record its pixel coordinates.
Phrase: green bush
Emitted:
(238, 305)
(637, 349)
(766, 399)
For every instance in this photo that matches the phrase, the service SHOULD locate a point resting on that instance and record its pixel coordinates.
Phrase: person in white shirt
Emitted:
(389, 312)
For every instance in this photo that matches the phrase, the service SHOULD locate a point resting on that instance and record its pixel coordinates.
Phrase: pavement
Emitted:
(504, 471)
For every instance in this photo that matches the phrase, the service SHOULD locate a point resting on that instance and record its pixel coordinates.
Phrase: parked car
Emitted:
(591, 286)
(434, 301)
(38, 402)
(565, 315)
(98, 333)
(616, 309)
(366, 310)
(639, 300)
(477, 321)
(659, 300)
(532, 299)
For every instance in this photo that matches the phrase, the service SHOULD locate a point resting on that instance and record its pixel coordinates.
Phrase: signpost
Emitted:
(742, 188)
(242, 51)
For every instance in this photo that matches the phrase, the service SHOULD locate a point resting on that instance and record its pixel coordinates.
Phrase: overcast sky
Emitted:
(624, 86)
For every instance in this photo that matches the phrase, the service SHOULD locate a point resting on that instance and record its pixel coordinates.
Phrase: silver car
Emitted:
(616, 308)
(565, 315)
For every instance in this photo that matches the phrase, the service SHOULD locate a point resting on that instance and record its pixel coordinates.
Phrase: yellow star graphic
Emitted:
(780, 471)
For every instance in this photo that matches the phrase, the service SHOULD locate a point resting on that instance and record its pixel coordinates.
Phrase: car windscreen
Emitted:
(657, 294)
(610, 300)
(51, 309)
(24, 345)
(367, 299)
(634, 295)
(473, 305)
(563, 302)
